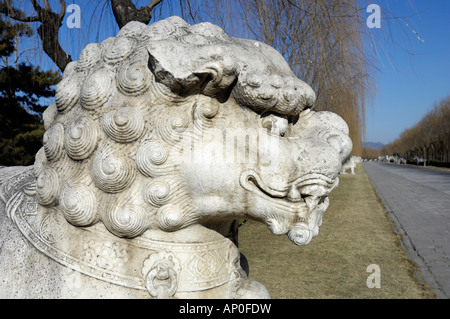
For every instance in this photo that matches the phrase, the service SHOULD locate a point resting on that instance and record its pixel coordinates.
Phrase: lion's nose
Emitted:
(293, 194)
(309, 96)
(297, 194)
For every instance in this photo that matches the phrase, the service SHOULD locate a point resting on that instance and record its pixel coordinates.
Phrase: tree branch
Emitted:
(125, 11)
(48, 30)
(17, 14)
(37, 7)
(62, 13)
(153, 4)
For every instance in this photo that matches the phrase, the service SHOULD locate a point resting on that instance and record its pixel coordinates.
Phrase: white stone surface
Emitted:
(159, 140)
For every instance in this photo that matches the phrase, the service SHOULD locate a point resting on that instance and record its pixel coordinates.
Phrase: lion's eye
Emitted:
(275, 125)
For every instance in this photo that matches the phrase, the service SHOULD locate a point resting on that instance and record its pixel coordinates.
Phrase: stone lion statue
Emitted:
(351, 165)
(159, 140)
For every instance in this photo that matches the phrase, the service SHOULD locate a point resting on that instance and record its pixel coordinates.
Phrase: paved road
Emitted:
(418, 199)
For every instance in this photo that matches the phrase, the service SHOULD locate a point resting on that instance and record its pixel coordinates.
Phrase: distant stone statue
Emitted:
(420, 160)
(351, 164)
(160, 139)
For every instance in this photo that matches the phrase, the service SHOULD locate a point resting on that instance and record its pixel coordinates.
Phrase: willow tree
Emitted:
(322, 40)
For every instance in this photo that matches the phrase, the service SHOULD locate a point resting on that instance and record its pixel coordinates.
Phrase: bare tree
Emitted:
(429, 138)
(124, 11)
(370, 153)
(48, 30)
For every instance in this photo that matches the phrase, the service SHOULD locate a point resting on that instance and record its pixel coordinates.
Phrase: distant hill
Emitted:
(373, 145)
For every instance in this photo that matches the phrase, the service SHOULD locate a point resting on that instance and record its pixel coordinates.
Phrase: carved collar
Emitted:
(160, 267)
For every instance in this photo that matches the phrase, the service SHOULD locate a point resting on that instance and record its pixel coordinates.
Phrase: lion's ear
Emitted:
(189, 69)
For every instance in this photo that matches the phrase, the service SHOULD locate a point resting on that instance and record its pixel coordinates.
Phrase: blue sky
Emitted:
(413, 76)
(406, 92)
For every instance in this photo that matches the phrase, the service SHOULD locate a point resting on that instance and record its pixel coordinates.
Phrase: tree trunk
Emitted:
(125, 11)
(50, 41)
(48, 30)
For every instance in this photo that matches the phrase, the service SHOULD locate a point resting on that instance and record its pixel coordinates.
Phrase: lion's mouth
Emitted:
(297, 208)
(277, 199)
(298, 192)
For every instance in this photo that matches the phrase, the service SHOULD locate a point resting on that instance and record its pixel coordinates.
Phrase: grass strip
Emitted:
(356, 232)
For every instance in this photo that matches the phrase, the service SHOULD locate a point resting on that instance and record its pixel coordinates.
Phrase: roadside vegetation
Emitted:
(428, 139)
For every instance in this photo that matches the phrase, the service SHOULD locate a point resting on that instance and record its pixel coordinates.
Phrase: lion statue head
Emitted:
(170, 125)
